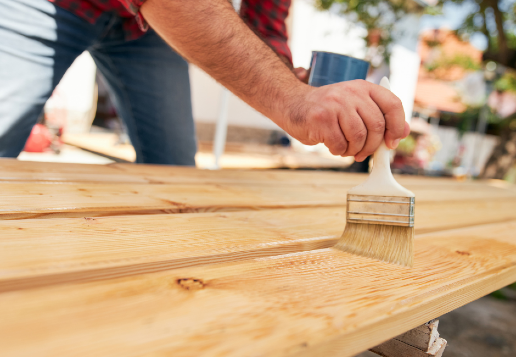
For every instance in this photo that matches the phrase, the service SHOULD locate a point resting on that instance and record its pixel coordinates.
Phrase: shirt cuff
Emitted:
(133, 6)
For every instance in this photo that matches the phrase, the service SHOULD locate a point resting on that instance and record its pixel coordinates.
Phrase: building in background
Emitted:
(451, 83)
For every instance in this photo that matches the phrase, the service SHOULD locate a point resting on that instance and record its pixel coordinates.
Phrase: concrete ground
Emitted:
(483, 328)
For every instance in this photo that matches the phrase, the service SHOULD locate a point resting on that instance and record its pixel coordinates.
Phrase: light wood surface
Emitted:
(422, 341)
(22, 200)
(14, 170)
(315, 303)
(83, 249)
(243, 267)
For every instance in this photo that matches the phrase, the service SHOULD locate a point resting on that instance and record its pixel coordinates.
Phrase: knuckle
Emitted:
(335, 151)
(397, 104)
(341, 148)
(313, 138)
(377, 126)
(334, 95)
(359, 135)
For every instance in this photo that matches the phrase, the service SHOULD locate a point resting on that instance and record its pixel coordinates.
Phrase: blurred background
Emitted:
(451, 63)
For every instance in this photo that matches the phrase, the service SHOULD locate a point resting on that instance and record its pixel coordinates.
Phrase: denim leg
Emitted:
(38, 42)
(151, 88)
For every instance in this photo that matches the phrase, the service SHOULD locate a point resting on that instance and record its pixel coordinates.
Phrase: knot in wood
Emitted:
(191, 283)
(461, 252)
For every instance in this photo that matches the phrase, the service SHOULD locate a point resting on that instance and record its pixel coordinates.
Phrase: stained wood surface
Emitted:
(315, 303)
(242, 268)
(83, 249)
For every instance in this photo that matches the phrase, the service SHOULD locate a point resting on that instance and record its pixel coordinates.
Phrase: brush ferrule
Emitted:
(386, 210)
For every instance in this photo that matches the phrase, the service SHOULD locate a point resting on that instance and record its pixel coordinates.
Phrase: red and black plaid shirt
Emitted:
(266, 17)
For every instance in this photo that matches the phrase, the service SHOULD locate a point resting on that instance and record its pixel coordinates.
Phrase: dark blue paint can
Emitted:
(329, 68)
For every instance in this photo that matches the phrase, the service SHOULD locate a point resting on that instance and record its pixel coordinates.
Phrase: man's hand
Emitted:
(350, 118)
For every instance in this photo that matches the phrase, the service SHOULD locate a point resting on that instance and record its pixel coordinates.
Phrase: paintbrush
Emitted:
(380, 214)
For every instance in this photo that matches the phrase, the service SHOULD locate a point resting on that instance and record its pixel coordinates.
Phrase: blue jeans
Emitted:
(148, 81)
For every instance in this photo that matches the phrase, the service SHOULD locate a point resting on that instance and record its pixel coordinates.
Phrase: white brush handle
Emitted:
(381, 182)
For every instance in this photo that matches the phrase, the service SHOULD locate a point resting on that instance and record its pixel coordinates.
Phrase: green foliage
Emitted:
(499, 294)
(507, 82)
(383, 14)
(468, 120)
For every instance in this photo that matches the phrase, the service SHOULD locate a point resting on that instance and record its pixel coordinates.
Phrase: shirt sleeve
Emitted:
(267, 18)
(133, 7)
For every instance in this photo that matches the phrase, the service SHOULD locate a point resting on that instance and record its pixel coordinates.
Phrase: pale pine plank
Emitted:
(14, 170)
(317, 303)
(19, 171)
(65, 250)
(71, 199)
(38, 200)
(98, 248)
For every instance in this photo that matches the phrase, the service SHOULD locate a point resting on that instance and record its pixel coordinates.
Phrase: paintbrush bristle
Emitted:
(393, 244)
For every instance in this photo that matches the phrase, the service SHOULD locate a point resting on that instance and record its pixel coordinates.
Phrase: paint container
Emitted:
(328, 68)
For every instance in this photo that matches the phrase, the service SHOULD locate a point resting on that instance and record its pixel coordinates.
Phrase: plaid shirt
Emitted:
(265, 17)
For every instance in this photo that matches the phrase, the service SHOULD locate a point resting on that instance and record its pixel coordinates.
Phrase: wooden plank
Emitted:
(316, 303)
(64, 250)
(171, 174)
(46, 200)
(18, 171)
(422, 337)
(78, 249)
(14, 170)
(70, 199)
(422, 341)
(396, 348)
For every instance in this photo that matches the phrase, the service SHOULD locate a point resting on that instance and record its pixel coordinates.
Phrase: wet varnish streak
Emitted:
(87, 249)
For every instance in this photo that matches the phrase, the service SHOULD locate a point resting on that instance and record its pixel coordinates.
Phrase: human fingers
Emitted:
(374, 121)
(393, 112)
(335, 140)
(354, 131)
(406, 132)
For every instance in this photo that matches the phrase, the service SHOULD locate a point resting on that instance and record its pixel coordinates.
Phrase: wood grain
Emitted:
(14, 170)
(315, 303)
(79, 249)
(71, 199)
(19, 171)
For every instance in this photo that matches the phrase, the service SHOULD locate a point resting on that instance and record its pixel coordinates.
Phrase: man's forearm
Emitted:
(350, 118)
(210, 34)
